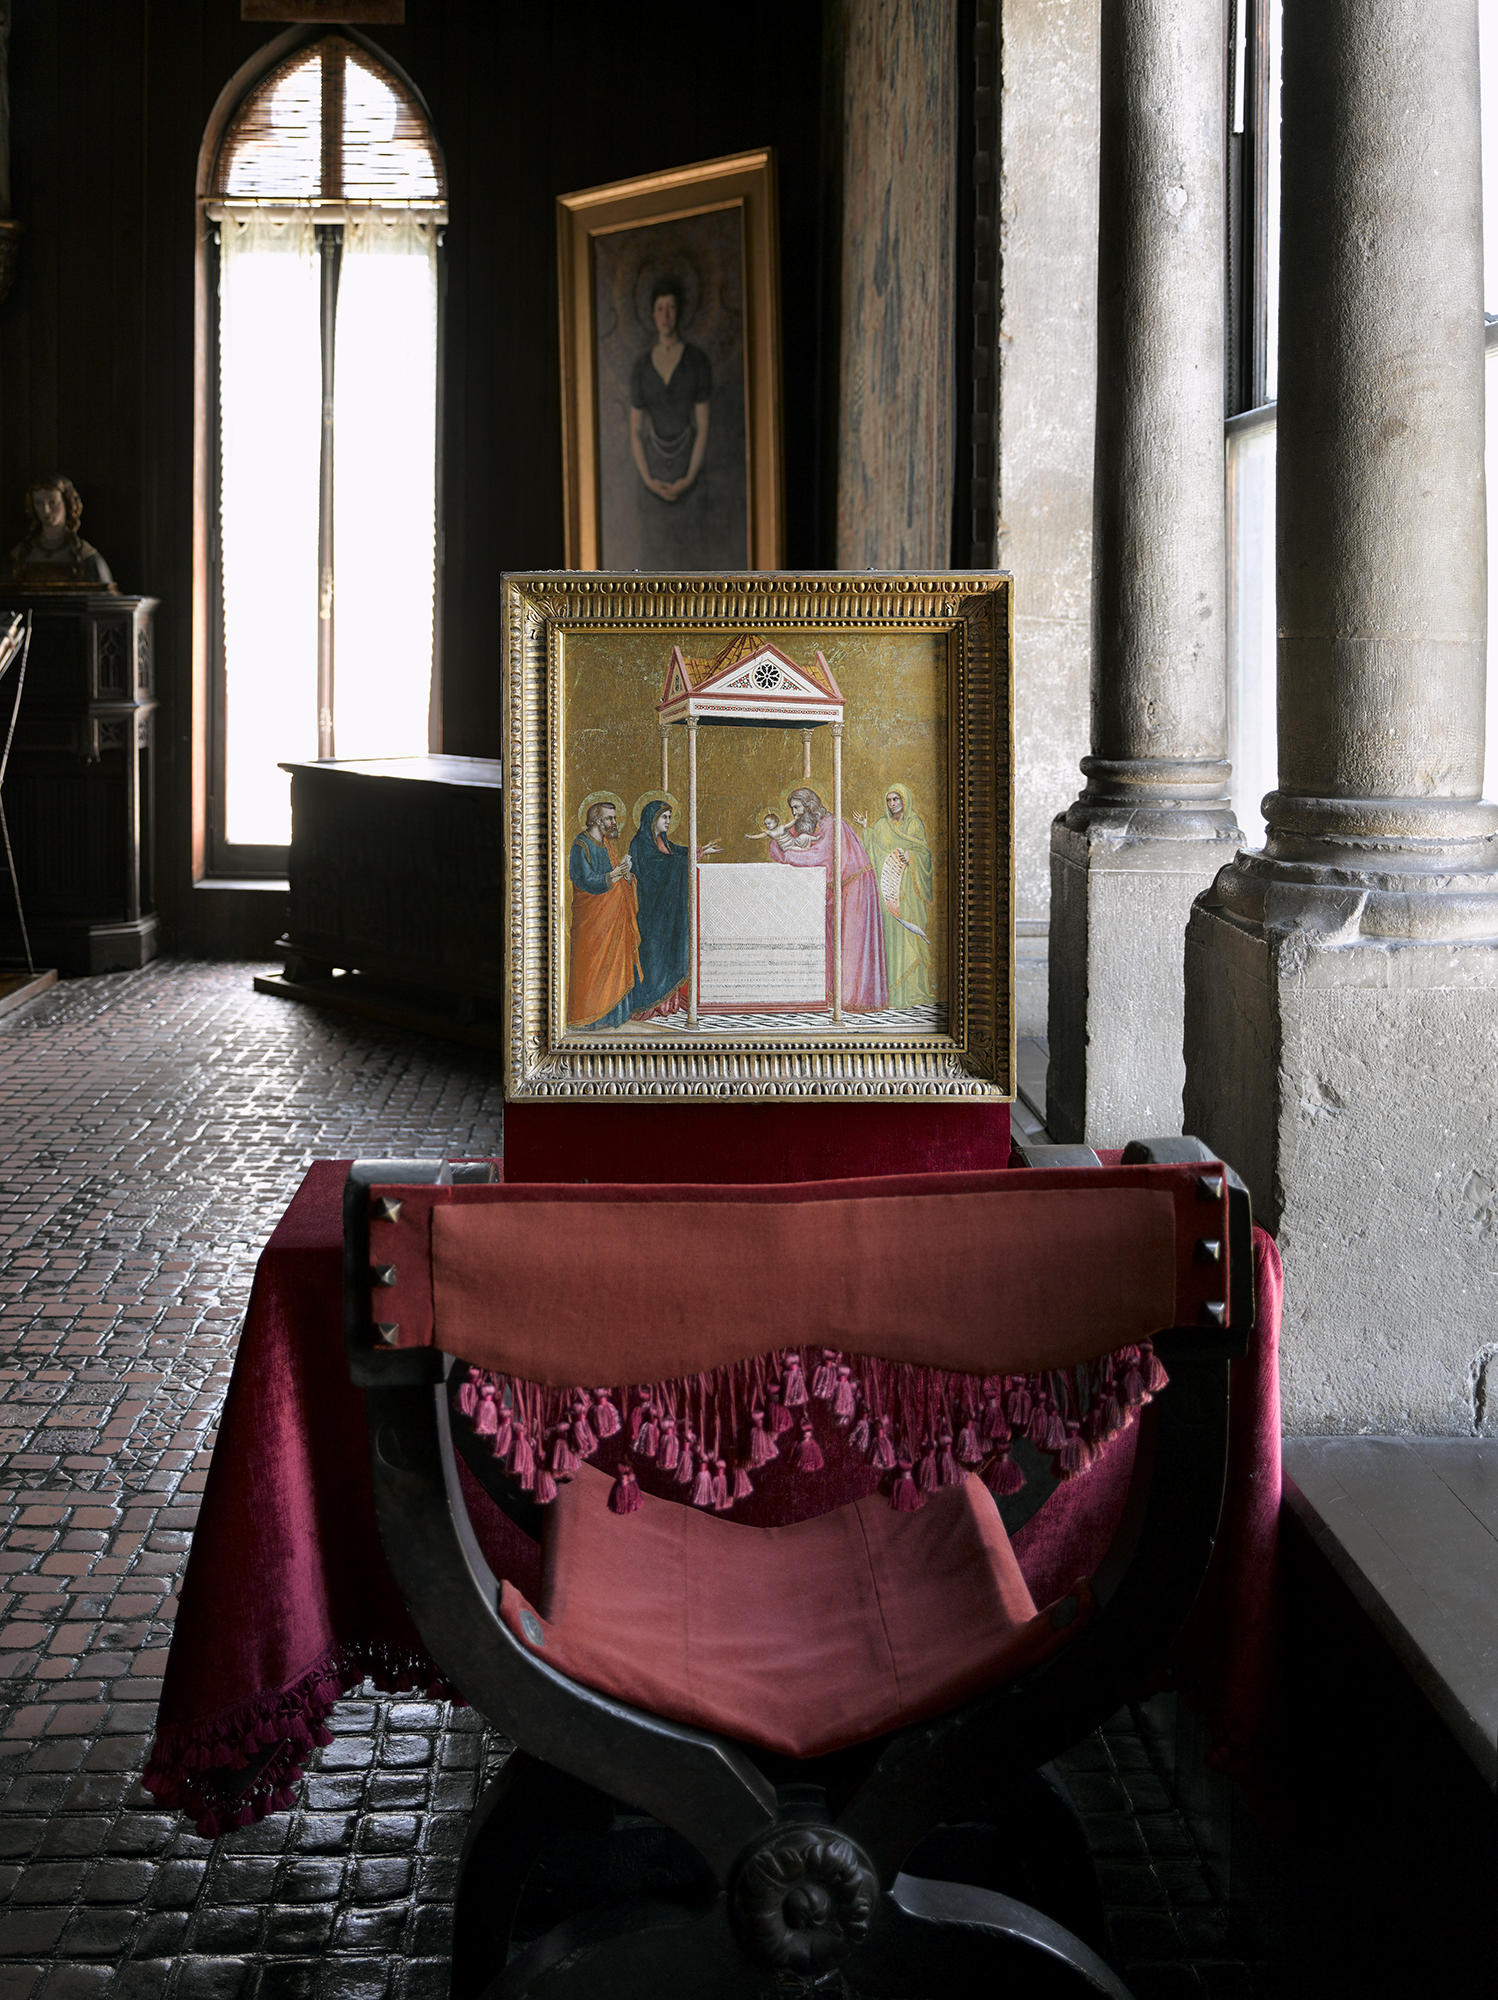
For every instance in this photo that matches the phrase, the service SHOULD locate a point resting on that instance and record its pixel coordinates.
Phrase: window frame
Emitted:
(214, 858)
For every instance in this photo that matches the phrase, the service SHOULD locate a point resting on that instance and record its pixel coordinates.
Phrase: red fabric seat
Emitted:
(801, 1639)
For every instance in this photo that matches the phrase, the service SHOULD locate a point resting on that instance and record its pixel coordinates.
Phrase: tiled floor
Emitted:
(152, 1127)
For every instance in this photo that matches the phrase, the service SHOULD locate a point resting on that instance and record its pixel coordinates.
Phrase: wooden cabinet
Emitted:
(80, 790)
(396, 874)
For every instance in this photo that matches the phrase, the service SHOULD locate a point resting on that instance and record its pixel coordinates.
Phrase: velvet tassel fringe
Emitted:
(919, 1428)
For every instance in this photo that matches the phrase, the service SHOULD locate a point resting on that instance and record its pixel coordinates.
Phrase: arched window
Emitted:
(325, 195)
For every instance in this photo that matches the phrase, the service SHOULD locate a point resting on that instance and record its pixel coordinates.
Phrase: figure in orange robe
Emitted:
(605, 956)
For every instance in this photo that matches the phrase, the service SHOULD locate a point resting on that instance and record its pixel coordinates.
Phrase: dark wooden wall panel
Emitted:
(109, 103)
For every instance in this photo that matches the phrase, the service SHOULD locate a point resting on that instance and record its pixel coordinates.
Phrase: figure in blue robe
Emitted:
(661, 871)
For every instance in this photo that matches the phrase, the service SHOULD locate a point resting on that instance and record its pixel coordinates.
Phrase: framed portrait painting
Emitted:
(758, 837)
(669, 290)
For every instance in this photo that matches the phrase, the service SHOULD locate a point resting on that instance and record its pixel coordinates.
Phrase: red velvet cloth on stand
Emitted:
(287, 1601)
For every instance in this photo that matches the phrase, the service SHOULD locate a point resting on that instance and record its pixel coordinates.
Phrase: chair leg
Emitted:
(526, 1804)
(929, 1940)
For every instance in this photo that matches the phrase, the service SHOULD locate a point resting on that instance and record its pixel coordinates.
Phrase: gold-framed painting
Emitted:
(669, 288)
(759, 834)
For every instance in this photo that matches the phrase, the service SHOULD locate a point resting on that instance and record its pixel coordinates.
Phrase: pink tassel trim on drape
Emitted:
(232, 1769)
(928, 1427)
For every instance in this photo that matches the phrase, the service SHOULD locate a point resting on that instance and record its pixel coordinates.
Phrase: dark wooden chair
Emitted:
(800, 1758)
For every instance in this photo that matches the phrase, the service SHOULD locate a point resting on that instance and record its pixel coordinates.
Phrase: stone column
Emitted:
(1154, 823)
(1342, 984)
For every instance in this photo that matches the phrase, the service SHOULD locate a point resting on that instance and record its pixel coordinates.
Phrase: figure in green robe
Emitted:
(901, 854)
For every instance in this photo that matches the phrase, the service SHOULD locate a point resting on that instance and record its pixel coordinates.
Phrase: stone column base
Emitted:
(1119, 906)
(1354, 1086)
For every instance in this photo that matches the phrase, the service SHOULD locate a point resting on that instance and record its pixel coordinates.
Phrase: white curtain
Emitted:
(384, 495)
(270, 398)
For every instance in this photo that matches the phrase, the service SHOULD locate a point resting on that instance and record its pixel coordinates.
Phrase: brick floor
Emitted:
(153, 1126)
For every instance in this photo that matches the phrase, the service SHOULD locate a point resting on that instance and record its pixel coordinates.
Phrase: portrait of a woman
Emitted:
(670, 405)
(672, 454)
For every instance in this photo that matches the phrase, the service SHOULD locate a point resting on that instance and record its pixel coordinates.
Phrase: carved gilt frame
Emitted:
(743, 181)
(970, 1057)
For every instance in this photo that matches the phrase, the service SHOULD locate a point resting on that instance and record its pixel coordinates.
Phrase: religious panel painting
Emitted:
(774, 814)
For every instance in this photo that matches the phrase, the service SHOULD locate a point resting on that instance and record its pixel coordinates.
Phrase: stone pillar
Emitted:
(1154, 823)
(1342, 984)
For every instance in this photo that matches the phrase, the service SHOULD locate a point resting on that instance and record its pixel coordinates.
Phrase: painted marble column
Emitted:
(1154, 822)
(1342, 1011)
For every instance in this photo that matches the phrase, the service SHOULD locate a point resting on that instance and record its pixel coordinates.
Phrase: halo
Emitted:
(598, 798)
(666, 798)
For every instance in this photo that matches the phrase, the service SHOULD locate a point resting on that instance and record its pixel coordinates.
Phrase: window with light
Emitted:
(327, 199)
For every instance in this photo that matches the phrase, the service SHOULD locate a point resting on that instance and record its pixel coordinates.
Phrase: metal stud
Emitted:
(1209, 1187)
(388, 1332)
(1209, 1250)
(1216, 1311)
(382, 1274)
(386, 1209)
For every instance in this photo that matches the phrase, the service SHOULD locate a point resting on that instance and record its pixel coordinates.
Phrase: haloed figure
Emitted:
(670, 390)
(604, 961)
(901, 856)
(661, 871)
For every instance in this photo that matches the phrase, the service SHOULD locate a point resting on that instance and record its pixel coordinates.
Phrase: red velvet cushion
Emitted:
(801, 1639)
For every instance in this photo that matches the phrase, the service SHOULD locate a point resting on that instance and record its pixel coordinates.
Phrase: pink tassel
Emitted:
(686, 1465)
(947, 1470)
(522, 1462)
(1018, 1405)
(721, 1501)
(761, 1448)
(545, 1488)
(647, 1442)
(926, 1474)
(1004, 1476)
(1073, 1457)
(882, 1457)
(793, 1386)
(642, 1413)
(1105, 1418)
(1155, 1377)
(624, 1494)
(743, 1485)
(702, 1487)
(1040, 1423)
(584, 1437)
(486, 1421)
(321, 1736)
(995, 1423)
(780, 1416)
(668, 1457)
(844, 1396)
(807, 1457)
(905, 1495)
(824, 1381)
(970, 1446)
(468, 1395)
(504, 1437)
(1055, 1430)
(605, 1415)
(858, 1437)
(564, 1459)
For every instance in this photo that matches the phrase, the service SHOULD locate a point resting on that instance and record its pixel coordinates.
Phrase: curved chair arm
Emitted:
(695, 1782)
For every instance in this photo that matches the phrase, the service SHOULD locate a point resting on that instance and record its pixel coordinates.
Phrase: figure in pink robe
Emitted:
(807, 843)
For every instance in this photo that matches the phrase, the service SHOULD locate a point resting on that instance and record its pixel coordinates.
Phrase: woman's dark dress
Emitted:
(661, 879)
(670, 530)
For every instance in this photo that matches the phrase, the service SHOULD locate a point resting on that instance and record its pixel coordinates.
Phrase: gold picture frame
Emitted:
(707, 236)
(665, 739)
